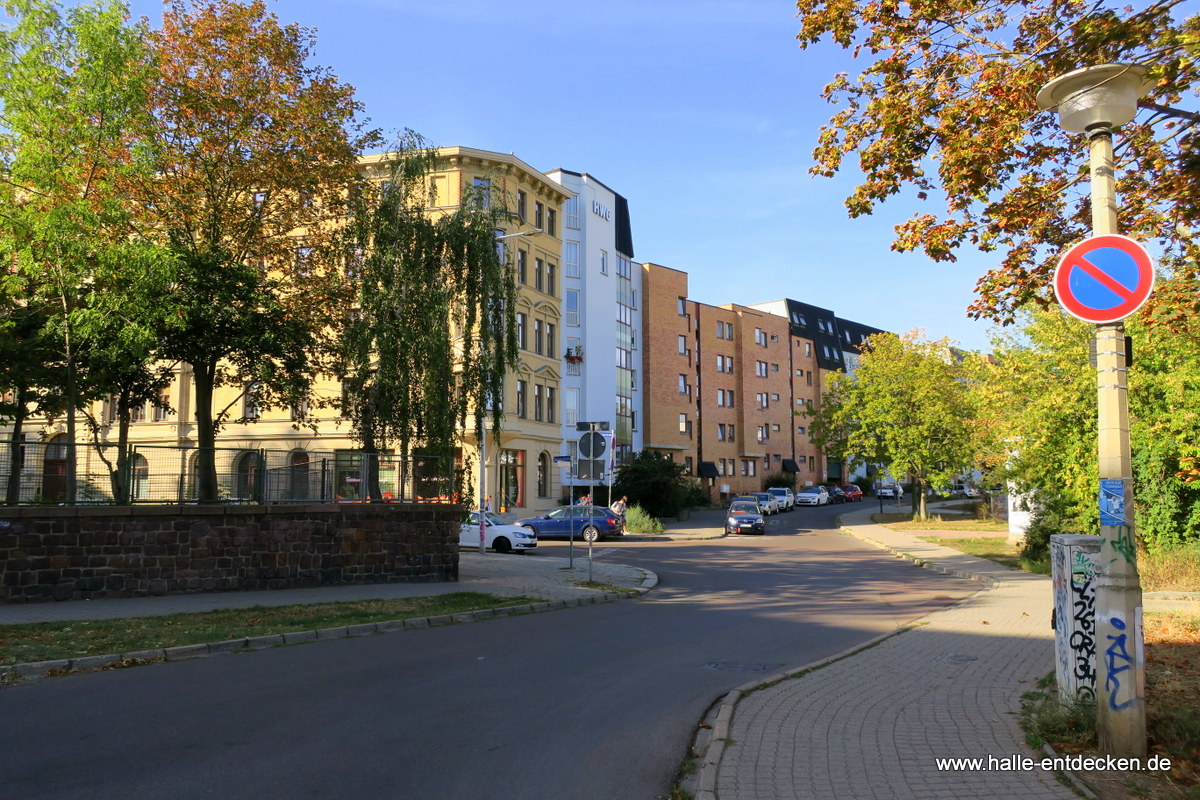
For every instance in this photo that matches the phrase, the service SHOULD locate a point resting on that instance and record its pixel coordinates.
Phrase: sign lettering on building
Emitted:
(601, 210)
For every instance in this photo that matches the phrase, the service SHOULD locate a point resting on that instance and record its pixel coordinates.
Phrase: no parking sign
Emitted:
(1104, 278)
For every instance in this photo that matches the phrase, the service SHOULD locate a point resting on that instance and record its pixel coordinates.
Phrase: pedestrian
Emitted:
(619, 507)
(488, 505)
(585, 500)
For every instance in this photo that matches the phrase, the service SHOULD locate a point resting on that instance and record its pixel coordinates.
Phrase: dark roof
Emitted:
(790, 466)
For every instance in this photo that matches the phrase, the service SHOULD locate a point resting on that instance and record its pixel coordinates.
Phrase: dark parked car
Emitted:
(836, 495)
(853, 493)
(585, 522)
(744, 517)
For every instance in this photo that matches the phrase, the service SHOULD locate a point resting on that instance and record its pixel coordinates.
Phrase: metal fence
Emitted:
(36, 473)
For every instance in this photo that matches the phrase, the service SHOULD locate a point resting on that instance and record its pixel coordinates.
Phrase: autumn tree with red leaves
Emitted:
(256, 152)
(945, 105)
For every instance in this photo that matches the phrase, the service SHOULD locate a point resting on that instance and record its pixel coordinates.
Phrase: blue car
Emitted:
(588, 523)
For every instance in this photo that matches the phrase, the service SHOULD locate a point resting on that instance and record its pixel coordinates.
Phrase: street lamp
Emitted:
(1095, 101)
(483, 510)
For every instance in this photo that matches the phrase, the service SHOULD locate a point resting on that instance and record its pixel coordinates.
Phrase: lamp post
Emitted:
(1096, 101)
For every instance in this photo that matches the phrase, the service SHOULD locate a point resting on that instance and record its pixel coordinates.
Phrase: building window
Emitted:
(483, 194)
(720, 431)
(551, 279)
(774, 398)
(522, 412)
(572, 211)
(539, 267)
(683, 342)
(571, 406)
(808, 377)
(161, 409)
(522, 266)
(760, 337)
(760, 369)
(300, 410)
(808, 348)
(688, 465)
(521, 208)
(550, 348)
(603, 262)
(512, 478)
(685, 425)
(251, 409)
(552, 222)
(137, 412)
(537, 402)
(521, 341)
(551, 414)
(682, 306)
(538, 212)
(543, 475)
(683, 385)
(571, 307)
(571, 258)
(304, 261)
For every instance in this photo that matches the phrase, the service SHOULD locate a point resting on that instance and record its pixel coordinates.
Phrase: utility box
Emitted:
(1075, 561)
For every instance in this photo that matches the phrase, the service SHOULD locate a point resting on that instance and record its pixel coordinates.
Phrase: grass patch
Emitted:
(45, 641)
(906, 522)
(993, 549)
(1174, 570)
(606, 587)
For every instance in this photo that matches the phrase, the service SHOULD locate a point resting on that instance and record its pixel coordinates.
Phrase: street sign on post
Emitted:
(1104, 278)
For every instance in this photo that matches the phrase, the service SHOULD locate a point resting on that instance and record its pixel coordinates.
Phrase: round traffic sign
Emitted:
(1104, 278)
(591, 445)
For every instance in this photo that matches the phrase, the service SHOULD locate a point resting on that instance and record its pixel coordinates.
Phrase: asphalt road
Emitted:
(594, 702)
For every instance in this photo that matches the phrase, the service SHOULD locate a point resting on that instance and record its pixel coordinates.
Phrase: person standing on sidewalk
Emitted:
(619, 507)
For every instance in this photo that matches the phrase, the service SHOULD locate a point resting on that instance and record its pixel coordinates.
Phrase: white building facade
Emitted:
(602, 366)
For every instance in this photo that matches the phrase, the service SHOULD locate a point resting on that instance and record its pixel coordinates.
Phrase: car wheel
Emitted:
(502, 545)
(590, 534)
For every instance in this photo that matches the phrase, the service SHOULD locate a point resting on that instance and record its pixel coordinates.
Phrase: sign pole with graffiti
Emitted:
(1103, 280)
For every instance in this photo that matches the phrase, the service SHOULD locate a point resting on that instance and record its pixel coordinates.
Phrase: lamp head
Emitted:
(1100, 96)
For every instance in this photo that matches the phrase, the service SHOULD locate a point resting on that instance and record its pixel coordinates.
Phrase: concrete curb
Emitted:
(36, 670)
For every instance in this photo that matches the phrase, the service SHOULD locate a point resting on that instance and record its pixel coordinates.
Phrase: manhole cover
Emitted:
(740, 666)
(962, 658)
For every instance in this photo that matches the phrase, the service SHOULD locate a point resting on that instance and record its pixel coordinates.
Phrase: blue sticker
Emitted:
(1112, 503)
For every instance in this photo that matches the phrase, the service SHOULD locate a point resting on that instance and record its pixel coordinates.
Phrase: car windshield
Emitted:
(811, 491)
(743, 508)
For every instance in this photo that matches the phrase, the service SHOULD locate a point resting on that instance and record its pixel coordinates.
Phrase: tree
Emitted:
(653, 481)
(946, 101)
(434, 308)
(254, 151)
(70, 86)
(1041, 393)
(906, 406)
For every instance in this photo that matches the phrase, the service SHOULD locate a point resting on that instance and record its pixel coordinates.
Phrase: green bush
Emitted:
(694, 494)
(1050, 516)
(637, 520)
(785, 480)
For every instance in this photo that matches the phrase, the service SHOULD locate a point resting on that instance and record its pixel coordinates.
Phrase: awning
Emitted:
(708, 469)
(790, 466)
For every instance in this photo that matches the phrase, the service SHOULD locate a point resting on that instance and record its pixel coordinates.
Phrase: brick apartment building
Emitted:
(728, 388)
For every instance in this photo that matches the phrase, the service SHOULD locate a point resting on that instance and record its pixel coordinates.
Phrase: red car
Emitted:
(853, 493)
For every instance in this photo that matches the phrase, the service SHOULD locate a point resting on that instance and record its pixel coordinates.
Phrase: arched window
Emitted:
(543, 475)
(245, 476)
(139, 471)
(298, 476)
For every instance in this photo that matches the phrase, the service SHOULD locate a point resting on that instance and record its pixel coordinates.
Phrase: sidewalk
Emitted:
(871, 722)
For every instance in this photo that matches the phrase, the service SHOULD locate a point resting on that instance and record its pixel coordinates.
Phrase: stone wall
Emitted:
(80, 553)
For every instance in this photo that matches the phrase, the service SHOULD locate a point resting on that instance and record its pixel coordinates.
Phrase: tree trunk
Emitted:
(369, 488)
(120, 479)
(204, 376)
(16, 453)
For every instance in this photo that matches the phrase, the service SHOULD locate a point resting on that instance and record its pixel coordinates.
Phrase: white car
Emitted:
(497, 534)
(769, 503)
(787, 500)
(964, 489)
(890, 490)
(812, 496)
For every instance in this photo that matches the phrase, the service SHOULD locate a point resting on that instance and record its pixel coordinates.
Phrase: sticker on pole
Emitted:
(1104, 279)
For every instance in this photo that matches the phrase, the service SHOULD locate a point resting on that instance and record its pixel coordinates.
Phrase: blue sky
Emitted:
(703, 113)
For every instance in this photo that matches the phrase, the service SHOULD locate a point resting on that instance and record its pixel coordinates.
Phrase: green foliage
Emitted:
(906, 406)
(637, 520)
(1053, 513)
(653, 481)
(435, 309)
(694, 495)
(786, 480)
